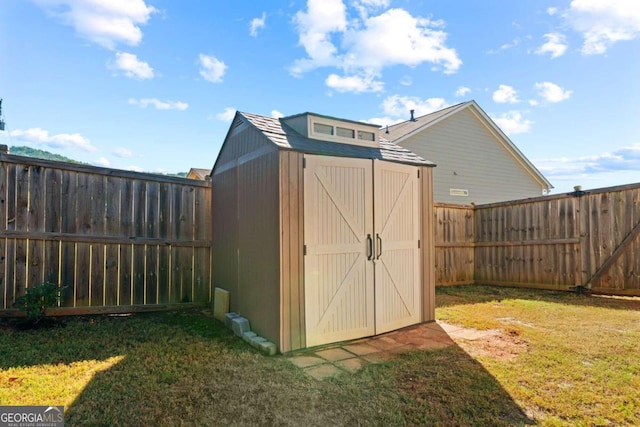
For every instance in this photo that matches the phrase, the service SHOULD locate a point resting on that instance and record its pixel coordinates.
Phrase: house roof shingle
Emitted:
(404, 128)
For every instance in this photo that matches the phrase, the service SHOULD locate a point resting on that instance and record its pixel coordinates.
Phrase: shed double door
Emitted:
(362, 256)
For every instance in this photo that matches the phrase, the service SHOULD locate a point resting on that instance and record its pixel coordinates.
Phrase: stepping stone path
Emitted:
(330, 360)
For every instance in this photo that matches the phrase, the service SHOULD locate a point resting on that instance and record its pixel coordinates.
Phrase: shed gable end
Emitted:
(243, 142)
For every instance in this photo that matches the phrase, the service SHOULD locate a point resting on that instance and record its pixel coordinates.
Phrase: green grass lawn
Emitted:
(575, 362)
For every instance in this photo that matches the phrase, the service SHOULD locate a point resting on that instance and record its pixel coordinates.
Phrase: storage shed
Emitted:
(322, 229)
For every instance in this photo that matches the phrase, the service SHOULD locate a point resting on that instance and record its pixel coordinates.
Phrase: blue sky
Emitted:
(152, 85)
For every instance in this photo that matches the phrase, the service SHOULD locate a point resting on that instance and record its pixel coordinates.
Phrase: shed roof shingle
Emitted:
(286, 138)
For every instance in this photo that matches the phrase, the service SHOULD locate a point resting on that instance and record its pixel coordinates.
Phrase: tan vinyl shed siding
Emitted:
(246, 243)
(469, 157)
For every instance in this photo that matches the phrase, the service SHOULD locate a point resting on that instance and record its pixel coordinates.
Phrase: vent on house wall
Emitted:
(458, 192)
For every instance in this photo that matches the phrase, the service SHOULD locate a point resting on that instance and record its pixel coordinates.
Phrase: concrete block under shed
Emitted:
(268, 348)
(228, 318)
(255, 341)
(220, 303)
(248, 336)
(240, 325)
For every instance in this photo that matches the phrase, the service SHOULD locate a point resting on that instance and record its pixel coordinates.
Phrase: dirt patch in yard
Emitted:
(501, 346)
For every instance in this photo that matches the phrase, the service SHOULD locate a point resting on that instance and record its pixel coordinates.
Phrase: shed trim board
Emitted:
(362, 262)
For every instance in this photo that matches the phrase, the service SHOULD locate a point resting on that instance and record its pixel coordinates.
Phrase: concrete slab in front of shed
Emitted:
(361, 349)
(321, 372)
(385, 343)
(306, 361)
(334, 354)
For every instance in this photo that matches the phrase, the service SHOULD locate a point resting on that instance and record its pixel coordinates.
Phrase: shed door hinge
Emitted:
(304, 250)
(418, 244)
(304, 163)
(418, 173)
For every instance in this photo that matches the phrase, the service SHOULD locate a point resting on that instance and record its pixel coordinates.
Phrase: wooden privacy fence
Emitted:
(118, 240)
(587, 239)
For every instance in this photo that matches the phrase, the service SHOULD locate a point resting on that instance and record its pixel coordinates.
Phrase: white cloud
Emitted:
(61, 140)
(159, 105)
(315, 26)
(604, 22)
(556, 45)
(462, 91)
(622, 159)
(398, 38)
(104, 22)
(132, 66)
(122, 152)
(103, 161)
(399, 106)
(256, 24)
(227, 114)
(513, 122)
(385, 121)
(506, 46)
(357, 84)
(276, 114)
(552, 11)
(212, 69)
(134, 168)
(362, 44)
(551, 92)
(505, 94)
(366, 7)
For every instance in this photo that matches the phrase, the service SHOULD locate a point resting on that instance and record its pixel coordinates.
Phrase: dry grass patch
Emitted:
(576, 357)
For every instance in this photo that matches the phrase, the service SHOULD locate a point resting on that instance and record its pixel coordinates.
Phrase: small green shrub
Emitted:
(38, 299)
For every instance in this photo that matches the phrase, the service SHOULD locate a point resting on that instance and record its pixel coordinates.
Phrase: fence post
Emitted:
(583, 221)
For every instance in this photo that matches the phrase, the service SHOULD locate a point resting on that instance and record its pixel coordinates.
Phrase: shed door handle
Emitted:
(379, 245)
(369, 247)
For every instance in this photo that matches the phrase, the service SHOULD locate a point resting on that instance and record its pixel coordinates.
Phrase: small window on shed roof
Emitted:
(322, 128)
(366, 136)
(345, 133)
(337, 130)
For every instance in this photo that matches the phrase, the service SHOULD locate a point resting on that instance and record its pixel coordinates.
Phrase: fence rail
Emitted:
(115, 238)
(585, 239)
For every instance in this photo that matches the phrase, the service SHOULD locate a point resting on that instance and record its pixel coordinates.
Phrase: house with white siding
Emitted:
(476, 161)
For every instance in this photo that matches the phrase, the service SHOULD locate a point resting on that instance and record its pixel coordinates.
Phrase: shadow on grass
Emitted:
(185, 368)
(448, 387)
(447, 296)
